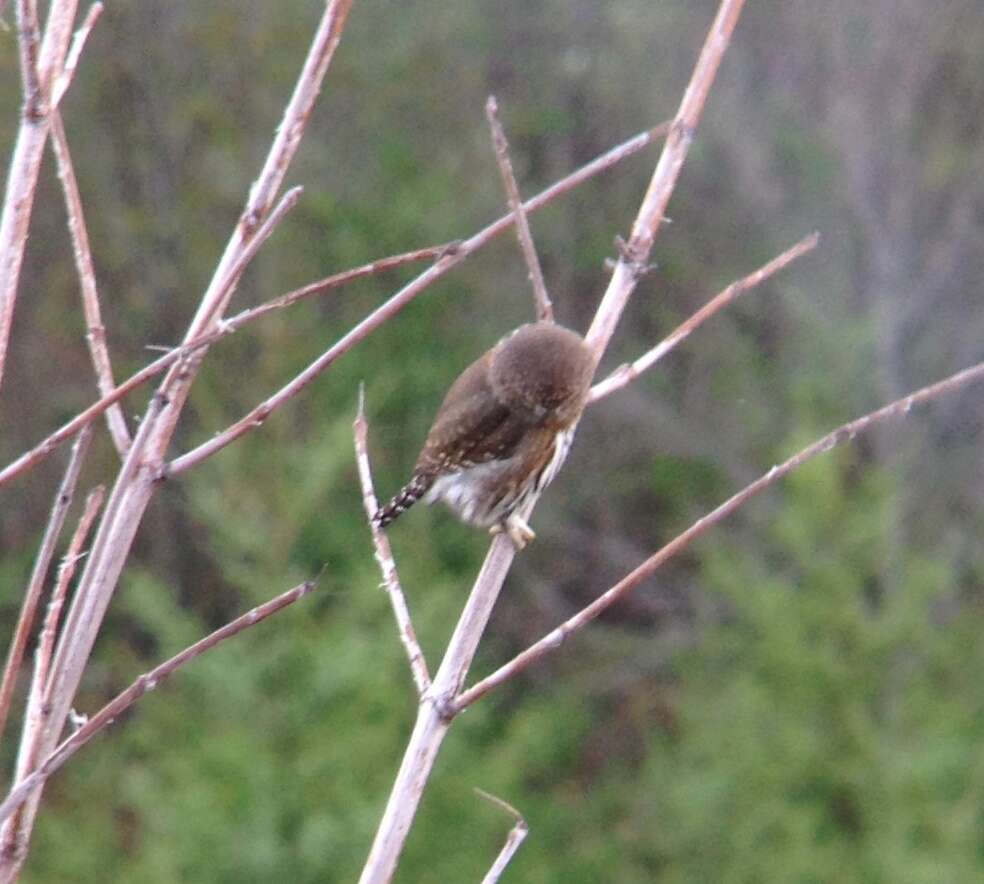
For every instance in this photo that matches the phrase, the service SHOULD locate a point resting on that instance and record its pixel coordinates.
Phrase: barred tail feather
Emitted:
(416, 488)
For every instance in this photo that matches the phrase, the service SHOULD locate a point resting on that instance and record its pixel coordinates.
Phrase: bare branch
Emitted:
(384, 555)
(96, 335)
(28, 46)
(334, 281)
(541, 300)
(40, 451)
(137, 479)
(46, 641)
(433, 717)
(67, 73)
(25, 164)
(25, 622)
(628, 372)
(893, 411)
(632, 262)
(517, 834)
(395, 304)
(35, 717)
(69, 429)
(145, 683)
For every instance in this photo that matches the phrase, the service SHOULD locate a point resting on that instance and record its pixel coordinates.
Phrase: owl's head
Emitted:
(543, 369)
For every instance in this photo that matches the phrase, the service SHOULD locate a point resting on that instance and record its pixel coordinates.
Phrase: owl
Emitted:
(503, 431)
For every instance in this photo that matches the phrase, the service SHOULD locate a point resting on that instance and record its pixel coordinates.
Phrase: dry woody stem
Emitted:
(517, 834)
(384, 556)
(541, 300)
(434, 714)
(36, 714)
(893, 411)
(46, 446)
(144, 684)
(138, 477)
(95, 330)
(39, 65)
(627, 373)
(52, 531)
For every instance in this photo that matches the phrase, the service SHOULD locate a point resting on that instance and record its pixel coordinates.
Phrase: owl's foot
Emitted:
(515, 526)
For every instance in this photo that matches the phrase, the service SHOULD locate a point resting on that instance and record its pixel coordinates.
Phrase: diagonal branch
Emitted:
(67, 74)
(25, 622)
(395, 304)
(40, 451)
(893, 411)
(632, 262)
(36, 714)
(628, 372)
(144, 684)
(541, 300)
(384, 555)
(96, 333)
(37, 64)
(47, 445)
(435, 713)
(517, 834)
(137, 479)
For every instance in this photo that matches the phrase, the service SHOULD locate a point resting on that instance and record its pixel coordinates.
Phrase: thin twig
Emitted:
(234, 323)
(144, 684)
(397, 302)
(628, 372)
(434, 716)
(25, 163)
(517, 834)
(137, 480)
(541, 300)
(632, 262)
(67, 74)
(66, 570)
(49, 444)
(25, 622)
(96, 334)
(28, 46)
(894, 410)
(185, 351)
(35, 717)
(384, 556)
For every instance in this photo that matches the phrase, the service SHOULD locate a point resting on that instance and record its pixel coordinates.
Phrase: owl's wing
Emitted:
(471, 427)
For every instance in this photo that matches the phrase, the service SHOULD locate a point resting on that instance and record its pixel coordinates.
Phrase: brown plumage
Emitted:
(503, 430)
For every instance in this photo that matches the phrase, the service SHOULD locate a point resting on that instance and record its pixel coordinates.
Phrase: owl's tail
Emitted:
(416, 488)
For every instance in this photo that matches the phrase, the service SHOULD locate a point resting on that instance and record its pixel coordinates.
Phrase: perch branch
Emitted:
(396, 303)
(384, 556)
(894, 410)
(435, 713)
(40, 451)
(541, 300)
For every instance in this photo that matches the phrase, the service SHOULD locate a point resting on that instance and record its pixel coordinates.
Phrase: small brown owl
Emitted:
(503, 431)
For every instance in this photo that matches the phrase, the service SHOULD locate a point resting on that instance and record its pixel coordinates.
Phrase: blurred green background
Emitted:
(796, 699)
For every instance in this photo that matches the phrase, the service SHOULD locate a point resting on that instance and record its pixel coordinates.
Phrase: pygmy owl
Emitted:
(503, 431)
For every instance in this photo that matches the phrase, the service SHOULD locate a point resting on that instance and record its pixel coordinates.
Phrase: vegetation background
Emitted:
(797, 700)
